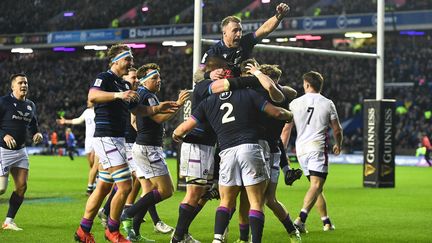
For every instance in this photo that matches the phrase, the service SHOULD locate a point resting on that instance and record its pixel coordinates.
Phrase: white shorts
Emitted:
(242, 165)
(274, 167)
(110, 150)
(13, 158)
(88, 145)
(197, 160)
(149, 161)
(130, 160)
(313, 161)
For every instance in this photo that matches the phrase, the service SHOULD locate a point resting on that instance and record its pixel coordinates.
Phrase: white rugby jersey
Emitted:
(88, 116)
(312, 115)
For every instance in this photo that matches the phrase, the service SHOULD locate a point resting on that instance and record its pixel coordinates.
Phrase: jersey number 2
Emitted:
(311, 110)
(226, 118)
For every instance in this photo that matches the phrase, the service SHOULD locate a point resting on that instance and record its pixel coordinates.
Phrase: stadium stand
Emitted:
(53, 75)
(87, 14)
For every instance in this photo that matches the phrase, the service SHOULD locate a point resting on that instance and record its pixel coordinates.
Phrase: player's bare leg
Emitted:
(315, 189)
(94, 164)
(280, 211)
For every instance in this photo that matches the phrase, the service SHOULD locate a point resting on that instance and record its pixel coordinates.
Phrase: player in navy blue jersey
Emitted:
(147, 152)
(17, 114)
(236, 47)
(269, 133)
(233, 115)
(112, 98)
(197, 161)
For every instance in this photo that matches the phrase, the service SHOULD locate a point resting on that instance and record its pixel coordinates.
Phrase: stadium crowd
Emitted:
(53, 77)
(87, 14)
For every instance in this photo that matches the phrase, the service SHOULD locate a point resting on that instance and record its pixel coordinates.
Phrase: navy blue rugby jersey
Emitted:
(130, 133)
(16, 116)
(234, 55)
(110, 117)
(233, 116)
(203, 133)
(149, 132)
(271, 128)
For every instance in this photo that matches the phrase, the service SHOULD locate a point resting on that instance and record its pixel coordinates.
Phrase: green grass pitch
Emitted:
(55, 202)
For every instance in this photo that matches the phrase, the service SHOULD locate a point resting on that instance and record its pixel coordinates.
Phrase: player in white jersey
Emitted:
(313, 115)
(88, 117)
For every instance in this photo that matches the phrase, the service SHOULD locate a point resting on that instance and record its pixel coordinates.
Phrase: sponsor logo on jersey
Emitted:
(225, 95)
(98, 82)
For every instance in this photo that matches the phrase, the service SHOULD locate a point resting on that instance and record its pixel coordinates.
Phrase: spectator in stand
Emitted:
(427, 144)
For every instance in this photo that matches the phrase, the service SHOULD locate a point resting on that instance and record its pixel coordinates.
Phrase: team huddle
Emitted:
(233, 144)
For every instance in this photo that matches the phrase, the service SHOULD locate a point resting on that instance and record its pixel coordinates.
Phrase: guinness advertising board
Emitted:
(378, 143)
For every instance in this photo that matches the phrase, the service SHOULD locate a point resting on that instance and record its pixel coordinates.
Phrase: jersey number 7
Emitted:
(311, 110)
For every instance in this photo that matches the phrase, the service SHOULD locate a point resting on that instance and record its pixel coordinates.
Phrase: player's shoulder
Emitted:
(204, 84)
(104, 75)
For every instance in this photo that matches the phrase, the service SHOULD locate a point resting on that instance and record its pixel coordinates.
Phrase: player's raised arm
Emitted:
(270, 25)
(266, 82)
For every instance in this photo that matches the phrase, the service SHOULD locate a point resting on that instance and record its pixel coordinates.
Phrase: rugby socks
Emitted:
(113, 225)
(154, 215)
(221, 222)
(194, 214)
(186, 215)
(107, 206)
(90, 188)
(86, 224)
(256, 220)
(244, 232)
(288, 224)
(303, 215)
(137, 221)
(15, 202)
(145, 202)
(326, 220)
(125, 208)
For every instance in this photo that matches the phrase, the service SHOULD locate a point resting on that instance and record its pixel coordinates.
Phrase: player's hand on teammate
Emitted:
(177, 138)
(183, 97)
(128, 96)
(37, 138)
(336, 149)
(282, 10)
(61, 121)
(10, 141)
(252, 68)
(167, 107)
(217, 74)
